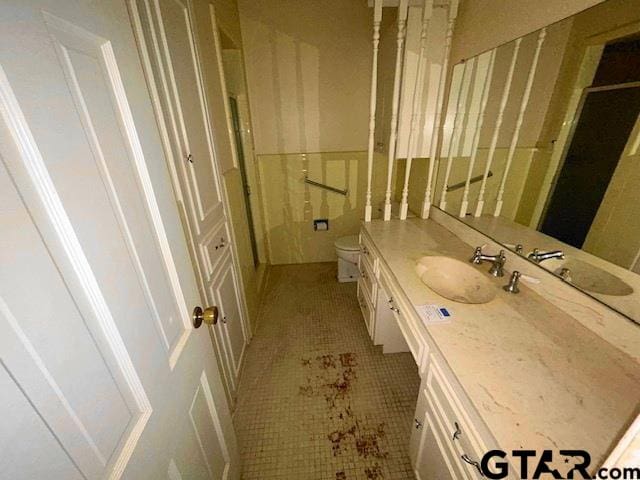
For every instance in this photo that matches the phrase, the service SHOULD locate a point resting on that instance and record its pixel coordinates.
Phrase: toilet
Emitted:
(348, 251)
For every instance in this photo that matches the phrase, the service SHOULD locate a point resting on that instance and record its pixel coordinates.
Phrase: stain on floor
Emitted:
(317, 400)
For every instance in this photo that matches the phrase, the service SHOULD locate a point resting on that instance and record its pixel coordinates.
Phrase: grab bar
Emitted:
(457, 186)
(326, 187)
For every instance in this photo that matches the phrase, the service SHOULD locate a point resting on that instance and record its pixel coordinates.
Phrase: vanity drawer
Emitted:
(367, 252)
(456, 422)
(365, 306)
(413, 340)
(367, 277)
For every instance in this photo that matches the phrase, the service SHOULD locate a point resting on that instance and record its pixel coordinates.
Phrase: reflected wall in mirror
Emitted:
(540, 150)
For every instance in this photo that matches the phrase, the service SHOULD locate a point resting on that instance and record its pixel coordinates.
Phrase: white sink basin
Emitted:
(590, 278)
(455, 280)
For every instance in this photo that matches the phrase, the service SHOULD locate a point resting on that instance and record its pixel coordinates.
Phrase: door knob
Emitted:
(209, 316)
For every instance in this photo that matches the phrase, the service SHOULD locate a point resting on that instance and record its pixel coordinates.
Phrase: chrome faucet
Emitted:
(498, 261)
(538, 256)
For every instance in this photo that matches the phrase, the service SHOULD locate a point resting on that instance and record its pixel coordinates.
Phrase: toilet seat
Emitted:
(350, 243)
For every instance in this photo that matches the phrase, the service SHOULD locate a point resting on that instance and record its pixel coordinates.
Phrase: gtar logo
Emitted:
(532, 465)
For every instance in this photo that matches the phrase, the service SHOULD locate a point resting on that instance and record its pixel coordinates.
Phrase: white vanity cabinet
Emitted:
(448, 438)
(446, 441)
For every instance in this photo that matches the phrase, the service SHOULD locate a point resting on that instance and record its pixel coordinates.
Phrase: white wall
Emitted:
(308, 66)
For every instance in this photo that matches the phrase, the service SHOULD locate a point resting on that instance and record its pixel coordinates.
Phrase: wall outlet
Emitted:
(321, 224)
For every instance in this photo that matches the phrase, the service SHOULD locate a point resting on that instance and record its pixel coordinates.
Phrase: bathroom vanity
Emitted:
(517, 372)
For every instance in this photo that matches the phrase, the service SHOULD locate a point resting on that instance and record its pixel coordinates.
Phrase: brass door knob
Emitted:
(209, 316)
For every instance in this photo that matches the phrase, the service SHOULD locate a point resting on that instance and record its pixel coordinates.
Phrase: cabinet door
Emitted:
(229, 333)
(433, 463)
(428, 450)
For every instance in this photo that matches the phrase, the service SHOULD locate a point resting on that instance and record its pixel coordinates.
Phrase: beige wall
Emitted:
(291, 205)
(308, 65)
(484, 24)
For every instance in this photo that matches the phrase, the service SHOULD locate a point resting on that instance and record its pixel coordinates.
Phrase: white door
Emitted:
(178, 43)
(101, 373)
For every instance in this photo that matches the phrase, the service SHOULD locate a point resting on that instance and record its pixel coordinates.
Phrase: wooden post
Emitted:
(427, 11)
(496, 131)
(377, 18)
(458, 121)
(435, 127)
(516, 132)
(476, 134)
(402, 22)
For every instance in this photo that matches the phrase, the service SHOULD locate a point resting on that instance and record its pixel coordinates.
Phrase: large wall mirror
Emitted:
(541, 150)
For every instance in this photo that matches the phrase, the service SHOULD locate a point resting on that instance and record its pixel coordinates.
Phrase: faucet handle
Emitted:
(512, 286)
(476, 256)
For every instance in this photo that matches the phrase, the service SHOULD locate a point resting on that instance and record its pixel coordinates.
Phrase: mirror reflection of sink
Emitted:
(588, 277)
(455, 280)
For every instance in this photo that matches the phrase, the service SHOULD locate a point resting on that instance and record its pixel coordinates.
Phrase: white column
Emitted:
(516, 132)
(476, 135)
(435, 127)
(496, 130)
(427, 11)
(395, 106)
(458, 121)
(377, 18)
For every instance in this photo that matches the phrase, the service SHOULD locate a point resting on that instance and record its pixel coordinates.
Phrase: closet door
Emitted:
(186, 107)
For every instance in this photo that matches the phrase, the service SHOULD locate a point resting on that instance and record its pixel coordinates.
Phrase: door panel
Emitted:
(231, 319)
(206, 427)
(34, 452)
(178, 50)
(73, 401)
(87, 75)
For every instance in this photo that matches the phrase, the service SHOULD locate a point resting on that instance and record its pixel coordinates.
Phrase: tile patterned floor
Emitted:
(316, 399)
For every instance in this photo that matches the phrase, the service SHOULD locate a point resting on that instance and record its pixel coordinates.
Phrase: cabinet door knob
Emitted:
(418, 423)
(470, 461)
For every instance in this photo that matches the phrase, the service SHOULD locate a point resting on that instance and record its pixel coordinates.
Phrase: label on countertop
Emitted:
(433, 314)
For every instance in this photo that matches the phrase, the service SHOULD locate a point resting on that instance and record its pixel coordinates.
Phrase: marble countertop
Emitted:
(537, 377)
